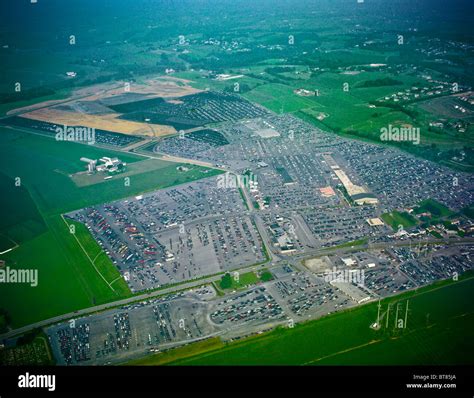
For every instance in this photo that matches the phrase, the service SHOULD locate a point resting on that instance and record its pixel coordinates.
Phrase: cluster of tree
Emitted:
(226, 281)
(28, 337)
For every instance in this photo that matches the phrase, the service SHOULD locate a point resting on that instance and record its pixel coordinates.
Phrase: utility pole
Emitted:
(378, 315)
(388, 312)
(406, 315)
(396, 316)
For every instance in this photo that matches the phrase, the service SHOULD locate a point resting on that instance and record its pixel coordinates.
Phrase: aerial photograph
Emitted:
(274, 190)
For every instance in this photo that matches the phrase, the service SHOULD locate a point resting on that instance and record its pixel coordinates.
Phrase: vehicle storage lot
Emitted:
(131, 331)
(176, 234)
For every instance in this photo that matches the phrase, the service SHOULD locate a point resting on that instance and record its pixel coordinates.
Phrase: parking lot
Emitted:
(303, 296)
(131, 331)
(250, 307)
(175, 234)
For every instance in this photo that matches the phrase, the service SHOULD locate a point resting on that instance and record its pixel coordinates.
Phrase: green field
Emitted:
(231, 282)
(6, 244)
(358, 242)
(433, 207)
(68, 279)
(439, 319)
(17, 226)
(396, 218)
(44, 166)
(97, 257)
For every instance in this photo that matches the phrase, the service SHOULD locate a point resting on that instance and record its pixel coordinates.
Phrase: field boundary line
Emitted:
(97, 256)
(387, 339)
(116, 279)
(343, 351)
(85, 252)
(46, 347)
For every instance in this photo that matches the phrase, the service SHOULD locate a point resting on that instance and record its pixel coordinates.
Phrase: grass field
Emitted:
(6, 244)
(231, 282)
(17, 226)
(44, 165)
(145, 166)
(396, 218)
(439, 320)
(433, 207)
(68, 279)
(98, 259)
(358, 242)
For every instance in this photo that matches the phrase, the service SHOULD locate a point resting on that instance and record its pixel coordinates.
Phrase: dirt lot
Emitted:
(109, 122)
(73, 110)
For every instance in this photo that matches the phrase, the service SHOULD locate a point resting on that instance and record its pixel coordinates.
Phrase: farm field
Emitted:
(67, 281)
(427, 345)
(101, 262)
(109, 122)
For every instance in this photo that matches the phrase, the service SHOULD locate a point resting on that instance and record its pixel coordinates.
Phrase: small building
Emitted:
(364, 198)
(348, 261)
(375, 222)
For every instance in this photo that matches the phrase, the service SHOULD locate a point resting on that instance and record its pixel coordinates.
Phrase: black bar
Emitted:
(382, 379)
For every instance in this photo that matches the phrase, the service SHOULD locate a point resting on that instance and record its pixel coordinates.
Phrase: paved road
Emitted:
(378, 246)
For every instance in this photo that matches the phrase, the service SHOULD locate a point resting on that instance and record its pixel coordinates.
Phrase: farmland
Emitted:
(15, 227)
